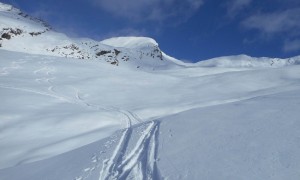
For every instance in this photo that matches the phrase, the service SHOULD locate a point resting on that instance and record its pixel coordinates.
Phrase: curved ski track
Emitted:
(140, 162)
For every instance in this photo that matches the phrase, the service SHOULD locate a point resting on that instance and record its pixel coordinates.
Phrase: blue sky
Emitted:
(186, 29)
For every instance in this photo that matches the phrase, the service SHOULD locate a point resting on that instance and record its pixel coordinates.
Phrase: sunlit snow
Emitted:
(123, 109)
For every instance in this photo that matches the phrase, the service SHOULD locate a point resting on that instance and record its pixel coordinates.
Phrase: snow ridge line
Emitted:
(140, 162)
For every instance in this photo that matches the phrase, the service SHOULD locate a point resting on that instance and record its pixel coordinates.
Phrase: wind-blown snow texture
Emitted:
(122, 109)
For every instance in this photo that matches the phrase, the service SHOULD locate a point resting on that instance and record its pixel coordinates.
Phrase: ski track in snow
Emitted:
(45, 76)
(137, 162)
(140, 162)
(129, 115)
(46, 71)
(13, 66)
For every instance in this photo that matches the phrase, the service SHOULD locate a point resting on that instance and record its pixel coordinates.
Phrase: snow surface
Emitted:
(248, 62)
(130, 42)
(239, 128)
(150, 116)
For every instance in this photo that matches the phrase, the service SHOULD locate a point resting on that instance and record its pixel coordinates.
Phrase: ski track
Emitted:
(138, 163)
(119, 153)
(47, 77)
(47, 74)
(13, 66)
(129, 115)
(61, 98)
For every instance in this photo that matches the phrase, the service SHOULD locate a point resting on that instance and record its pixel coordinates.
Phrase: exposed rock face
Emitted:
(8, 33)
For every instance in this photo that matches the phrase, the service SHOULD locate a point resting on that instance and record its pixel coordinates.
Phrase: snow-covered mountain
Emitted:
(18, 30)
(123, 109)
(244, 61)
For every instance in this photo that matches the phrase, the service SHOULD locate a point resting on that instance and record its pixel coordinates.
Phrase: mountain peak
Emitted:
(6, 7)
(130, 42)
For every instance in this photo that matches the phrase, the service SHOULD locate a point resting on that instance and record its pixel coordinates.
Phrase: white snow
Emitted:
(130, 42)
(248, 62)
(147, 117)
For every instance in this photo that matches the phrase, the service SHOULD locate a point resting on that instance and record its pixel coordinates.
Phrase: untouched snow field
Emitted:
(122, 109)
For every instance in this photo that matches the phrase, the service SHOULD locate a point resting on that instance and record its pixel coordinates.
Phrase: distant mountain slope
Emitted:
(245, 61)
(18, 30)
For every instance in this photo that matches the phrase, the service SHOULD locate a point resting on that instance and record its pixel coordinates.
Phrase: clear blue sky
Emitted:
(186, 29)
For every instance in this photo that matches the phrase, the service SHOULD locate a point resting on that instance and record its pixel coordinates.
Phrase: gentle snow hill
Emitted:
(244, 61)
(133, 112)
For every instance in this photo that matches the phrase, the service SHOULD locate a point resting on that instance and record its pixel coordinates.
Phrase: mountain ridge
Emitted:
(17, 30)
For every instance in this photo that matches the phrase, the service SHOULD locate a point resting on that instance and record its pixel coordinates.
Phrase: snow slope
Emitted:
(147, 117)
(63, 104)
(249, 62)
(241, 140)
